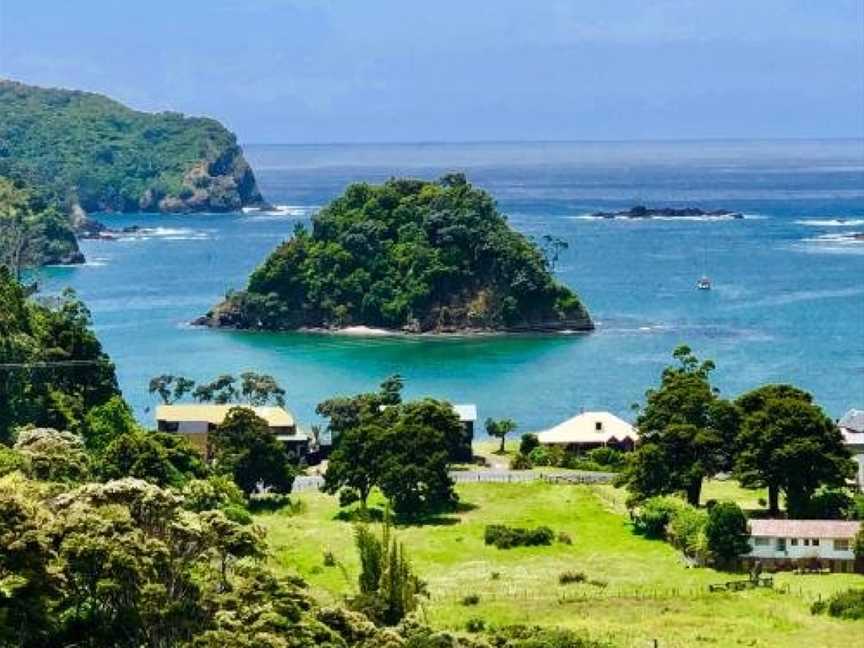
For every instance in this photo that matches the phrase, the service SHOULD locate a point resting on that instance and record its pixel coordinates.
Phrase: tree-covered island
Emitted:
(408, 255)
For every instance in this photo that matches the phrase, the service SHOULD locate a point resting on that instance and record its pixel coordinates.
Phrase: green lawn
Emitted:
(649, 591)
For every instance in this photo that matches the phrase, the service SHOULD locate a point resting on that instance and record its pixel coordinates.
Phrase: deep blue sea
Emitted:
(787, 303)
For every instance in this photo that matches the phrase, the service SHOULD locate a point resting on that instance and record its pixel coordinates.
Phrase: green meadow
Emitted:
(642, 590)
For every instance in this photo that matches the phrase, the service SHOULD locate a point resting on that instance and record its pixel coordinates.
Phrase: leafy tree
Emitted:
(244, 447)
(414, 469)
(106, 422)
(55, 368)
(500, 430)
(355, 463)
(259, 389)
(684, 431)
(790, 446)
(160, 458)
(53, 456)
(221, 391)
(727, 532)
(528, 443)
(408, 254)
(389, 589)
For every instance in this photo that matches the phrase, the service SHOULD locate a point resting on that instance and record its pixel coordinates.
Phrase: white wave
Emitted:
(843, 238)
(164, 234)
(281, 210)
(831, 222)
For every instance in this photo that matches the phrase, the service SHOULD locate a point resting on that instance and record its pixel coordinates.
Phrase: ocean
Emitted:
(787, 303)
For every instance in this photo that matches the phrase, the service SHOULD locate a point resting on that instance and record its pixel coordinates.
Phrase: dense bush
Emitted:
(470, 599)
(726, 532)
(504, 537)
(567, 577)
(844, 605)
(407, 254)
(528, 443)
(521, 462)
(652, 517)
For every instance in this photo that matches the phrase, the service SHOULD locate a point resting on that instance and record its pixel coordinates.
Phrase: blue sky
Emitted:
(397, 70)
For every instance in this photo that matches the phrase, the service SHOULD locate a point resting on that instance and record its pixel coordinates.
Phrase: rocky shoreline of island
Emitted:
(641, 212)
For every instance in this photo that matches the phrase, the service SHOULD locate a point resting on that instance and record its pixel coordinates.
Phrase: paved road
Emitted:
(313, 483)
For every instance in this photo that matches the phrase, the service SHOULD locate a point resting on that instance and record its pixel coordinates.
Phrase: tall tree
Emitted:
(682, 432)
(353, 468)
(790, 446)
(260, 389)
(500, 429)
(244, 447)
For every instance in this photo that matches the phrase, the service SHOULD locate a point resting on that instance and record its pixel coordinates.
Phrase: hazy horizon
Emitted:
(323, 72)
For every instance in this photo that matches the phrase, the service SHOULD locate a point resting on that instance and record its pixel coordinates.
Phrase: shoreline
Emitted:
(362, 331)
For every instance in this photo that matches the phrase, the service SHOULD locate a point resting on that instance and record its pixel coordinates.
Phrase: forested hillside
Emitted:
(80, 148)
(410, 255)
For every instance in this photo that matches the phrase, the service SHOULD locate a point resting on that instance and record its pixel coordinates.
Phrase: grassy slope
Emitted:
(639, 603)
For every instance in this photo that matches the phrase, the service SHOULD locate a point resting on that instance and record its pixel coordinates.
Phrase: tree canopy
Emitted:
(408, 254)
(685, 432)
(53, 367)
(790, 446)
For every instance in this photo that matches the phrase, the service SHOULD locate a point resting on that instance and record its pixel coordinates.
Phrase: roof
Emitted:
(215, 414)
(852, 420)
(466, 412)
(583, 429)
(804, 528)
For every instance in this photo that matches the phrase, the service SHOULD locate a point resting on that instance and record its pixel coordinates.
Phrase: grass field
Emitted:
(649, 591)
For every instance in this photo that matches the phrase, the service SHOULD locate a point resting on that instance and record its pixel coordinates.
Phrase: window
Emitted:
(815, 542)
(761, 542)
(806, 542)
(794, 542)
(841, 545)
(598, 426)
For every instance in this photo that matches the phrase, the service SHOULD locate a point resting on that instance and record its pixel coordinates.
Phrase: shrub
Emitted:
(496, 575)
(475, 624)
(237, 514)
(564, 538)
(329, 559)
(504, 537)
(686, 530)
(261, 502)
(546, 456)
(211, 493)
(521, 462)
(567, 577)
(470, 599)
(726, 532)
(528, 443)
(596, 582)
(831, 504)
(858, 545)
(654, 515)
(843, 605)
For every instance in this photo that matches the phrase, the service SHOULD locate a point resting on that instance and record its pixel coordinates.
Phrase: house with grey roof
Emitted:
(852, 428)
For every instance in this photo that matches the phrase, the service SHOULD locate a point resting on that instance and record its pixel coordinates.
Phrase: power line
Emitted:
(48, 365)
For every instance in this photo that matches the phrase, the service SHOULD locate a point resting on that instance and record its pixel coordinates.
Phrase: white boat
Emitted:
(704, 284)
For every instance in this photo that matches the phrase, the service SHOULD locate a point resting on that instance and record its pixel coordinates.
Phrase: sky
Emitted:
(320, 71)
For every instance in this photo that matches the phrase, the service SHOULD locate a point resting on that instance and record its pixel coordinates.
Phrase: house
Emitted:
(591, 430)
(852, 428)
(195, 421)
(787, 544)
(468, 417)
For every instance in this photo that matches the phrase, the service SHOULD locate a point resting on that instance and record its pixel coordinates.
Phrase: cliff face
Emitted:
(84, 150)
(409, 256)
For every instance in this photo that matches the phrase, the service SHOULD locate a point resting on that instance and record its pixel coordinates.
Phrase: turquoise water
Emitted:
(788, 303)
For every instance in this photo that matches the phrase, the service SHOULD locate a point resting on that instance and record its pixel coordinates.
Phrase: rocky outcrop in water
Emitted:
(640, 211)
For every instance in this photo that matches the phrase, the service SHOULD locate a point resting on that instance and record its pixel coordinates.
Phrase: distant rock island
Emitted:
(640, 211)
(410, 256)
(86, 152)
